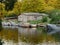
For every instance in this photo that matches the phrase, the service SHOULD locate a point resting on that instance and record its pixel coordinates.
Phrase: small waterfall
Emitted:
(52, 28)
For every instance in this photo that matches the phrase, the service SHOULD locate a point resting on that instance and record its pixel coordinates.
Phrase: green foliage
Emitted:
(55, 16)
(9, 4)
(34, 21)
(17, 8)
(32, 6)
(38, 5)
(57, 4)
(2, 10)
(45, 19)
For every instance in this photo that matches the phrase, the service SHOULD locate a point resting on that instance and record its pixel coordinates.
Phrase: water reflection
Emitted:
(56, 36)
(9, 36)
(37, 36)
(28, 36)
(1, 43)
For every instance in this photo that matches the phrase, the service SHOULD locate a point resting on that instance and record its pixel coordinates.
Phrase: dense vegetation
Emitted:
(15, 7)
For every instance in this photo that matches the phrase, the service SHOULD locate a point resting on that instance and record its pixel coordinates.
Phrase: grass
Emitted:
(34, 21)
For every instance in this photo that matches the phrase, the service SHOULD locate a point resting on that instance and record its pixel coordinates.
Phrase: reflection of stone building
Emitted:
(30, 16)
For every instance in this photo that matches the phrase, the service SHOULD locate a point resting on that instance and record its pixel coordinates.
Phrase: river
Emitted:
(27, 36)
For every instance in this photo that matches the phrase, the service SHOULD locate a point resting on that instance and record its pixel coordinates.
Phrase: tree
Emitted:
(58, 4)
(36, 6)
(54, 3)
(9, 4)
(55, 16)
(32, 5)
(1, 12)
(2, 9)
(17, 8)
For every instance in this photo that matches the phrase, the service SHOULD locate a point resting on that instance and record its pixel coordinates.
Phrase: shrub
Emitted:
(55, 16)
(45, 19)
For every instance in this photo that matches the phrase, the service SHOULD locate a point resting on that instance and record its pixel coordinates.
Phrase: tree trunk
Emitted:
(0, 24)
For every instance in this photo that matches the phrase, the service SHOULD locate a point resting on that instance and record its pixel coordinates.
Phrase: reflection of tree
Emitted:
(9, 34)
(1, 42)
(56, 37)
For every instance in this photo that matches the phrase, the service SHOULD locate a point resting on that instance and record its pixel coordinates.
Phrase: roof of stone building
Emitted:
(34, 14)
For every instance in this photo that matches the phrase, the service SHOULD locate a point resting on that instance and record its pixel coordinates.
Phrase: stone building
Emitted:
(24, 17)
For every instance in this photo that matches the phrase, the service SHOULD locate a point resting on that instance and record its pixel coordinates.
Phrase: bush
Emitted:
(34, 21)
(55, 16)
(45, 19)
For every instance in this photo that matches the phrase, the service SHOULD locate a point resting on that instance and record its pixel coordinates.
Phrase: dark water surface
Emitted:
(27, 36)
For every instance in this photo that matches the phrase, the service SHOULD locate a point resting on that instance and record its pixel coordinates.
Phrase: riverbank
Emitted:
(23, 25)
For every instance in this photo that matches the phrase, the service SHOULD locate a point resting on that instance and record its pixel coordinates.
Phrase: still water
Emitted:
(27, 36)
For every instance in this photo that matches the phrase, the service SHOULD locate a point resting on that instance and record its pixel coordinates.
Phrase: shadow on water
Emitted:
(1, 43)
